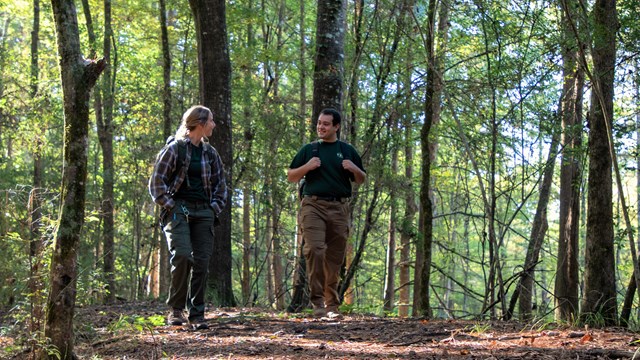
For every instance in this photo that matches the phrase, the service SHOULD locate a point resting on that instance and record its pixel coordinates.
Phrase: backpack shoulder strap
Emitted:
(182, 157)
(314, 148)
(344, 149)
(182, 151)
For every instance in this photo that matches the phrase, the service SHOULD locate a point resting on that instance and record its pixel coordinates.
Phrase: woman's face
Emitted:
(207, 128)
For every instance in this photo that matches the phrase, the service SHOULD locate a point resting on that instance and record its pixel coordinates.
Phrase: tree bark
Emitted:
(567, 269)
(161, 255)
(246, 246)
(299, 295)
(215, 92)
(35, 212)
(389, 284)
(599, 304)
(329, 57)
(524, 289)
(632, 287)
(407, 226)
(78, 76)
(432, 117)
(105, 136)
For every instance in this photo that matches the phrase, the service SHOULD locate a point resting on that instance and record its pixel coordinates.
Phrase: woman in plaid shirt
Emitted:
(191, 195)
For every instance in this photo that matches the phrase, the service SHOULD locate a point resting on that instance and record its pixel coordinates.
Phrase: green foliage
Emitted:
(480, 328)
(126, 324)
(502, 76)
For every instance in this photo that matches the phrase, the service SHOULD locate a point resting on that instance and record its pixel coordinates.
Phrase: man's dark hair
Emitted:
(337, 119)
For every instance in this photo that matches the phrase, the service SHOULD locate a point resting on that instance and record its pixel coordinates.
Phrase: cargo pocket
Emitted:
(171, 220)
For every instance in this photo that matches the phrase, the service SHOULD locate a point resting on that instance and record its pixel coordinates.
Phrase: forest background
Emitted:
(482, 159)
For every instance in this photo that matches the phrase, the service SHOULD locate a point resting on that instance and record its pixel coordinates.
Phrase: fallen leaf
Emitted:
(448, 340)
(586, 338)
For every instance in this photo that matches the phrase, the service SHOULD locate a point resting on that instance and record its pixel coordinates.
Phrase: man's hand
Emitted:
(358, 174)
(294, 175)
(313, 163)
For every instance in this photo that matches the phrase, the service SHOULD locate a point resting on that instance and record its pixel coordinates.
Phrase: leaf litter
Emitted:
(136, 331)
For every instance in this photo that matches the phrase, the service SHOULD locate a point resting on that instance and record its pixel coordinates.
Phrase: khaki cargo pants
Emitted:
(325, 228)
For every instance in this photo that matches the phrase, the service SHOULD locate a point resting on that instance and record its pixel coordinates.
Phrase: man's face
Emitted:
(325, 128)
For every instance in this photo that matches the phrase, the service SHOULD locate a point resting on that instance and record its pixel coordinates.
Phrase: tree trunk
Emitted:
(407, 228)
(105, 136)
(432, 117)
(276, 260)
(78, 76)
(35, 212)
(567, 269)
(215, 92)
(599, 301)
(329, 57)
(161, 254)
(246, 246)
(353, 88)
(632, 287)
(389, 284)
(299, 297)
(524, 289)
(350, 272)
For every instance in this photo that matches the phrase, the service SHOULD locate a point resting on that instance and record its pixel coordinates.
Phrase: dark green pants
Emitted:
(189, 231)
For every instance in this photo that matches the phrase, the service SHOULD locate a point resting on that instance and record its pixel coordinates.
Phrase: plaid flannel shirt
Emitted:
(213, 176)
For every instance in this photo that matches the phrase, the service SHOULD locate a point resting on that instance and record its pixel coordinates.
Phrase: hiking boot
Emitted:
(199, 323)
(333, 313)
(176, 317)
(319, 312)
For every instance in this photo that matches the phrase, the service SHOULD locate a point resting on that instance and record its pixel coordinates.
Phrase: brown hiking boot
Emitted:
(176, 317)
(319, 312)
(199, 323)
(333, 313)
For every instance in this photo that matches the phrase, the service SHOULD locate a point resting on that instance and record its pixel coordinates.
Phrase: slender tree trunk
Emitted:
(389, 284)
(599, 272)
(160, 259)
(524, 289)
(215, 92)
(353, 92)
(246, 246)
(35, 247)
(567, 269)
(105, 136)
(78, 76)
(435, 45)
(350, 273)
(299, 296)
(268, 246)
(329, 57)
(98, 109)
(625, 314)
(276, 261)
(407, 226)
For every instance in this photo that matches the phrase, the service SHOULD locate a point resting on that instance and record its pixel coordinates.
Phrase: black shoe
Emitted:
(176, 317)
(199, 323)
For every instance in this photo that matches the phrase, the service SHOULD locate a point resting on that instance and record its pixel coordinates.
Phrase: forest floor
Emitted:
(137, 331)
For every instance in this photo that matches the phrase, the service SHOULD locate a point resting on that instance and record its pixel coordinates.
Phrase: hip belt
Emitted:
(198, 204)
(328, 198)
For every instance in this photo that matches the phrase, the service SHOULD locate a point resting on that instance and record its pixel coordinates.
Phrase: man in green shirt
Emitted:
(328, 166)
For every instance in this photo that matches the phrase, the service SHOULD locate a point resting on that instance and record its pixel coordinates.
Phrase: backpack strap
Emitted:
(314, 153)
(181, 161)
(344, 150)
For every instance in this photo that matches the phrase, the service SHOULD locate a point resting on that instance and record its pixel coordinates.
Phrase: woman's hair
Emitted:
(195, 115)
